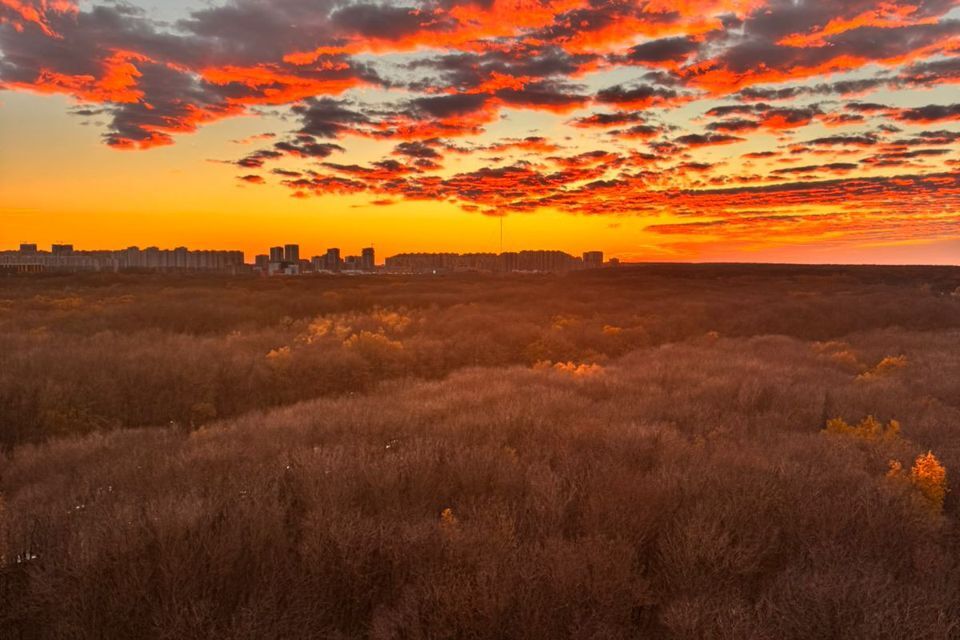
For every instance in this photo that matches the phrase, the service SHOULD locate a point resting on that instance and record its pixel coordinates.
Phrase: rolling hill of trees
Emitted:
(657, 452)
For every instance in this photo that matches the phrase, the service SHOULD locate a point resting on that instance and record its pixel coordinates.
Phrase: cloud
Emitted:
(770, 117)
(605, 119)
(865, 140)
(674, 50)
(734, 125)
(929, 114)
(832, 167)
(707, 139)
(603, 107)
(641, 96)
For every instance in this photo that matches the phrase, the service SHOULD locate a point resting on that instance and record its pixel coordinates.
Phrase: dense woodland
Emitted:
(664, 451)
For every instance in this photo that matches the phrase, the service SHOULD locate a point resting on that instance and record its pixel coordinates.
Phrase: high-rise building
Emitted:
(180, 256)
(367, 259)
(131, 258)
(545, 261)
(28, 248)
(61, 249)
(276, 254)
(152, 257)
(592, 259)
(333, 259)
(261, 262)
(318, 263)
(291, 253)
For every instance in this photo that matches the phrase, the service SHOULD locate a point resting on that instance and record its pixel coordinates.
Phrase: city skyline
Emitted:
(287, 260)
(249, 258)
(798, 131)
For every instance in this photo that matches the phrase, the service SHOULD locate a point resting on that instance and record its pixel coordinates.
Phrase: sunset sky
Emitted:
(743, 130)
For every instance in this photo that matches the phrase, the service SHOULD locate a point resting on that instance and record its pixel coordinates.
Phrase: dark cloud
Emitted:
(636, 96)
(854, 140)
(931, 72)
(500, 68)
(642, 131)
(929, 113)
(452, 105)
(306, 146)
(257, 159)
(417, 150)
(547, 94)
(866, 107)
(833, 167)
(600, 120)
(706, 139)
(382, 21)
(899, 158)
(768, 116)
(734, 125)
(674, 49)
(840, 87)
(932, 137)
(328, 118)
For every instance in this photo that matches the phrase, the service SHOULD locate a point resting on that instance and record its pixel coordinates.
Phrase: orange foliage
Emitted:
(278, 355)
(449, 523)
(869, 429)
(374, 342)
(930, 478)
(883, 368)
(572, 368)
(610, 330)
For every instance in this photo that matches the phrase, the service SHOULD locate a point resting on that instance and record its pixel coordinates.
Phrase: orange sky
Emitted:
(720, 130)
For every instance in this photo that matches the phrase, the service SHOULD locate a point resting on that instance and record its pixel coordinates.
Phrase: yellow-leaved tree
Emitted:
(930, 478)
(869, 429)
(927, 475)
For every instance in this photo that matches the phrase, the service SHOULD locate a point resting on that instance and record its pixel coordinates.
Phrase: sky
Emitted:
(804, 131)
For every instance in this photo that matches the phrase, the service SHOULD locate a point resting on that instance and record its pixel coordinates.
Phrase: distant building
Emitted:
(546, 261)
(532, 261)
(291, 253)
(262, 262)
(63, 257)
(276, 254)
(180, 257)
(508, 261)
(367, 260)
(333, 259)
(318, 263)
(593, 259)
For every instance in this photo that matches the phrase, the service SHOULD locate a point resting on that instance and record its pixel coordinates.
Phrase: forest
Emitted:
(652, 451)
